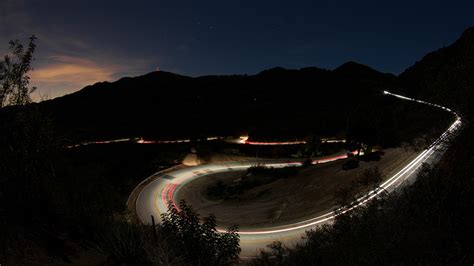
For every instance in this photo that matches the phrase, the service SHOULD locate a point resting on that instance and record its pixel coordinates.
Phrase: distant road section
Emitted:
(154, 197)
(245, 140)
(240, 140)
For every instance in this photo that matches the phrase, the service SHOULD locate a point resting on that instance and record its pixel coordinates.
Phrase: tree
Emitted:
(14, 81)
(201, 243)
(28, 146)
(129, 244)
(26, 140)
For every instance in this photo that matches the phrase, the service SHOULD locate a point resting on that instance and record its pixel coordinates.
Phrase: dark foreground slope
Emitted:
(428, 223)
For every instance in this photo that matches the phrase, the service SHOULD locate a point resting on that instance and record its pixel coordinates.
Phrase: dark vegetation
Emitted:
(121, 166)
(182, 239)
(199, 240)
(54, 202)
(444, 76)
(428, 223)
(255, 176)
(57, 202)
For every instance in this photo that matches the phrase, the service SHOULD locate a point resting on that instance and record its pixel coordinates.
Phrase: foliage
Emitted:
(200, 243)
(26, 150)
(28, 180)
(14, 81)
(444, 76)
(181, 239)
(45, 198)
(427, 223)
(127, 244)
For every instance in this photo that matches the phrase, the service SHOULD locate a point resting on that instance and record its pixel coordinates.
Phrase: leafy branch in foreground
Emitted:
(201, 243)
(14, 81)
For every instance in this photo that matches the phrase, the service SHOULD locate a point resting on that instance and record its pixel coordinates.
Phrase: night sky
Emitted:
(82, 42)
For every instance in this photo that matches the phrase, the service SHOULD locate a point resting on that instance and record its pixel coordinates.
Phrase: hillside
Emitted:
(446, 75)
(429, 222)
(167, 105)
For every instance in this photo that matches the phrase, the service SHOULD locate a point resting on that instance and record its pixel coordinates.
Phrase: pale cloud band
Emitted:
(66, 74)
(65, 61)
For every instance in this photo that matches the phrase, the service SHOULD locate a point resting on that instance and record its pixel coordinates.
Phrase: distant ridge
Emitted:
(162, 104)
(446, 75)
(355, 70)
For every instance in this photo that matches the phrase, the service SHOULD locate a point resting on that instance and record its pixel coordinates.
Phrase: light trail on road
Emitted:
(245, 140)
(241, 140)
(154, 198)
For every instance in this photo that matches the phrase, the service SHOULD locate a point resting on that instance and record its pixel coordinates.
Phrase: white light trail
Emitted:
(169, 189)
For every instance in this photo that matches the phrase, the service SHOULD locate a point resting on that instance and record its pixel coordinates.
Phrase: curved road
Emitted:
(154, 197)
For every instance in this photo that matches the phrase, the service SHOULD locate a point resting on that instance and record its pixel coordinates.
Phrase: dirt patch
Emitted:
(255, 177)
(308, 194)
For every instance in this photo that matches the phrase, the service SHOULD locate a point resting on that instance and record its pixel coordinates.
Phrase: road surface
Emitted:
(154, 197)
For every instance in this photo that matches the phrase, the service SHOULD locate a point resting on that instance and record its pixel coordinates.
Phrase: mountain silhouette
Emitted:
(446, 75)
(274, 103)
(167, 105)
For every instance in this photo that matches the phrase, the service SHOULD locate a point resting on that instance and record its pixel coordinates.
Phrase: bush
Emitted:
(200, 243)
(428, 223)
(128, 244)
(180, 240)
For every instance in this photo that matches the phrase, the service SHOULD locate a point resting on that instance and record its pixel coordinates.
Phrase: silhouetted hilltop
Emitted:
(355, 71)
(163, 104)
(430, 221)
(353, 68)
(446, 75)
(276, 103)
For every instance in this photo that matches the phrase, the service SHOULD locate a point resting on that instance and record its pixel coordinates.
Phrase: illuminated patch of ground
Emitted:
(310, 193)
